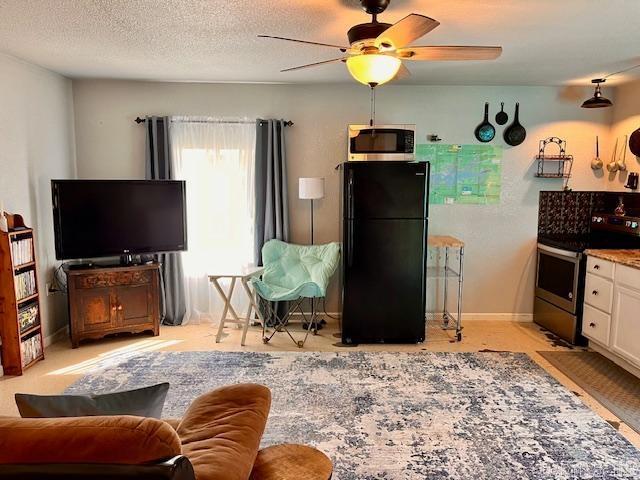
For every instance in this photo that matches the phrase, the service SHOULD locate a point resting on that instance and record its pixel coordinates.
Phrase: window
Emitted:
(217, 162)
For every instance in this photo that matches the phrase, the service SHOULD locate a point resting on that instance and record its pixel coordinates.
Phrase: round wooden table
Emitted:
(291, 462)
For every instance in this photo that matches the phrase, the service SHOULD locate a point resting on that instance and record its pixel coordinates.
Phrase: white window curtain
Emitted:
(216, 159)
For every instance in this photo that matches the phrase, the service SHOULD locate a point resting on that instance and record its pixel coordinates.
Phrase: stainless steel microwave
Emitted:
(382, 142)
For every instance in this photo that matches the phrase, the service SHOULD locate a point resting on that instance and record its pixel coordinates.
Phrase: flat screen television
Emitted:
(105, 218)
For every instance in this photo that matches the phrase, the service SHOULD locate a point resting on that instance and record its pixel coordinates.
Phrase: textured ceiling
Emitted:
(546, 42)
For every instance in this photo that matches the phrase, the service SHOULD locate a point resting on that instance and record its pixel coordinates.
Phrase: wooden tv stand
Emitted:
(107, 300)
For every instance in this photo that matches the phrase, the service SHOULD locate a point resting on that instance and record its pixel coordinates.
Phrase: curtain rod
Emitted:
(287, 123)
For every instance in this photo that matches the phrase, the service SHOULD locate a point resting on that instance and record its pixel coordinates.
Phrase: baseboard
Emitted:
(333, 314)
(502, 317)
(56, 336)
(336, 315)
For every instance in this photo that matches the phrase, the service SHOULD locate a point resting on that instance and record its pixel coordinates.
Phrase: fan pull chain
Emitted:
(372, 119)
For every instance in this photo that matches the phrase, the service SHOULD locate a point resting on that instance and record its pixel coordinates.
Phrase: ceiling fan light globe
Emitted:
(373, 68)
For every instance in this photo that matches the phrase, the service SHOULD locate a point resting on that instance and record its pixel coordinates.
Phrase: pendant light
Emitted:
(597, 101)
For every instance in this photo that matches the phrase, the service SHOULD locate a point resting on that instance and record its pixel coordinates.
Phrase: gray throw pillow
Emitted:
(142, 402)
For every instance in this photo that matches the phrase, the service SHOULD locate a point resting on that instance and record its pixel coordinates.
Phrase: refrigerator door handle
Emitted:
(349, 243)
(350, 206)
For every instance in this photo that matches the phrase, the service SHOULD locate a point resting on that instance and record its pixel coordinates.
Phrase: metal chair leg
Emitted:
(312, 324)
(281, 323)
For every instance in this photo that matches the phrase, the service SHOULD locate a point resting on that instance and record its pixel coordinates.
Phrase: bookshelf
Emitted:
(20, 317)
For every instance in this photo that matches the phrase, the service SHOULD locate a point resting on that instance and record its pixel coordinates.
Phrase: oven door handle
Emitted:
(558, 251)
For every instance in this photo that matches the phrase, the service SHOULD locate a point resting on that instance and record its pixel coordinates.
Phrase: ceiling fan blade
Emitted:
(402, 73)
(341, 59)
(444, 53)
(344, 49)
(407, 30)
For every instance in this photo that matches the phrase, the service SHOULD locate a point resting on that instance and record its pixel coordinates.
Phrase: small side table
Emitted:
(244, 274)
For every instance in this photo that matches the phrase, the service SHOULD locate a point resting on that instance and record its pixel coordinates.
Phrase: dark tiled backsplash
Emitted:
(570, 212)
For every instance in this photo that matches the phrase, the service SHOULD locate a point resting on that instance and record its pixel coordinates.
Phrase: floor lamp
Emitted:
(311, 188)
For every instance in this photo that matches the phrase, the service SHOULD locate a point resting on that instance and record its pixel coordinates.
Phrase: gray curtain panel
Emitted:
(158, 167)
(272, 207)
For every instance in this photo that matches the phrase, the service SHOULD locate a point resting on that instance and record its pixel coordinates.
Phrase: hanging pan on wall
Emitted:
(515, 133)
(485, 132)
(501, 117)
(634, 143)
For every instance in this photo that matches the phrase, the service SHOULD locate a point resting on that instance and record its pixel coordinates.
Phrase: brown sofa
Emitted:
(218, 438)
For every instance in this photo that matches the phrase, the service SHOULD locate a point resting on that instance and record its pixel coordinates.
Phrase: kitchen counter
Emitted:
(439, 241)
(630, 258)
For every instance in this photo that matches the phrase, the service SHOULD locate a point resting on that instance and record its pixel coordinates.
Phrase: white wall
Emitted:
(501, 238)
(626, 119)
(36, 145)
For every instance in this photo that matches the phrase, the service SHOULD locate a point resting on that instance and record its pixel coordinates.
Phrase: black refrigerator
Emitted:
(384, 231)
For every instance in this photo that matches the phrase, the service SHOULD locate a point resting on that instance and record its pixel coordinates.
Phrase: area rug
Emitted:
(609, 384)
(460, 416)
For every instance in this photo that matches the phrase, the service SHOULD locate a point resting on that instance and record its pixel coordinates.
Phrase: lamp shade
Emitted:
(311, 188)
(597, 101)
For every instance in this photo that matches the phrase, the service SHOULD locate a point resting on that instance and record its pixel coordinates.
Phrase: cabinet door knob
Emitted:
(113, 308)
(595, 292)
(596, 267)
(119, 307)
(592, 325)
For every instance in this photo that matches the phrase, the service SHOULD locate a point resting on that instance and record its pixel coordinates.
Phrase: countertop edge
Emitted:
(629, 258)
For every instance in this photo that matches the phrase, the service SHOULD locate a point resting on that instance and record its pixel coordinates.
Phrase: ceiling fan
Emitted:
(377, 49)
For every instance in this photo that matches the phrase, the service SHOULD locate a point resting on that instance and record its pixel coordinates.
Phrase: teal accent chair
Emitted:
(291, 274)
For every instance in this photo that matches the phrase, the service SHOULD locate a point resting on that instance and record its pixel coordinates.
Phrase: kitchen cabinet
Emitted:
(598, 292)
(596, 325)
(625, 332)
(611, 319)
(602, 268)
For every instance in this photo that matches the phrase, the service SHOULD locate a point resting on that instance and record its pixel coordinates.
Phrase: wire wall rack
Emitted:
(557, 165)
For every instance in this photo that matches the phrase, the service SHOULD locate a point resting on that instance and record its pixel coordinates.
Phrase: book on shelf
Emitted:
(22, 251)
(31, 349)
(25, 284)
(28, 317)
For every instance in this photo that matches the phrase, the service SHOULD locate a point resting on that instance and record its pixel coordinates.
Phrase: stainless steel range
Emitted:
(607, 222)
(560, 275)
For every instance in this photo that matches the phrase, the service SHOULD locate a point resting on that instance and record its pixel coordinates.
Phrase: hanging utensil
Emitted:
(501, 117)
(634, 143)
(632, 181)
(485, 132)
(597, 163)
(612, 166)
(622, 159)
(515, 133)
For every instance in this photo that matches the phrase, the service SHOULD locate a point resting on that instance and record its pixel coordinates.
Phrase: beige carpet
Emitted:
(611, 385)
